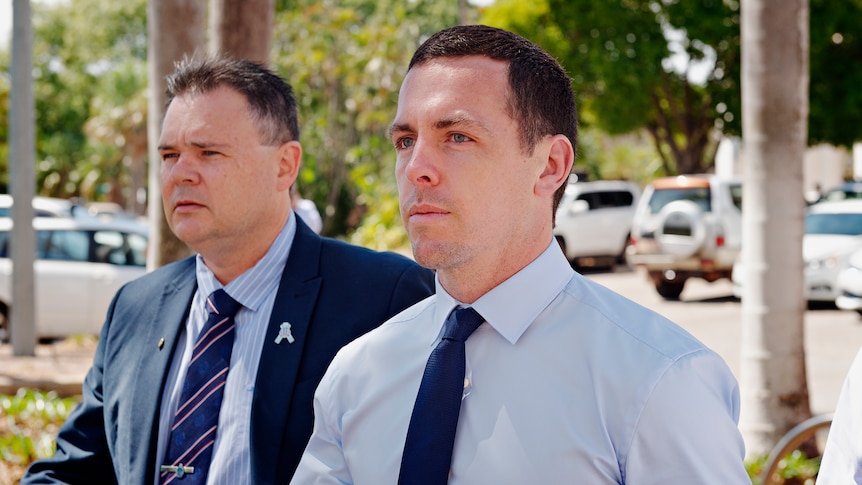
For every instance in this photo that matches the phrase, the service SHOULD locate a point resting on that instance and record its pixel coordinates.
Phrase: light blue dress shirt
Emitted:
(567, 382)
(255, 290)
(842, 457)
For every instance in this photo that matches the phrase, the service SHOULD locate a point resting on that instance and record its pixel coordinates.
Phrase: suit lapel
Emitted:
(166, 322)
(280, 363)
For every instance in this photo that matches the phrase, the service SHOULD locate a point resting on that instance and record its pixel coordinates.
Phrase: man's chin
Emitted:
(432, 254)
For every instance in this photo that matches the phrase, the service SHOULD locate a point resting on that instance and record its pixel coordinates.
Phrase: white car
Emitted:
(594, 219)
(850, 284)
(81, 262)
(42, 207)
(833, 231)
(688, 226)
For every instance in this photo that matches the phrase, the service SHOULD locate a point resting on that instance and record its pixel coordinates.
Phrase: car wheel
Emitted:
(681, 229)
(669, 290)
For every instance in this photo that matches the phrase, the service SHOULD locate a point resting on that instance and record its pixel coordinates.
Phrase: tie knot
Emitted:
(220, 303)
(461, 323)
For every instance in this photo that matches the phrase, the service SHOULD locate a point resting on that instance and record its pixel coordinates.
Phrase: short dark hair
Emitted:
(541, 99)
(270, 98)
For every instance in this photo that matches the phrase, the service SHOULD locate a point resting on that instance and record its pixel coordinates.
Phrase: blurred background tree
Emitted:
(671, 70)
(346, 60)
(642, 114)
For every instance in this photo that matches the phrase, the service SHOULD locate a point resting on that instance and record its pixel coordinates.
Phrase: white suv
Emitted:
(81, 262)
(594, 220)
(689, 226)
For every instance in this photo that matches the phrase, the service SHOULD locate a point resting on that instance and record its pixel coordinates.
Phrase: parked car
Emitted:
(849, 284)
(42, 207)
(833, 231)
(81, 262)
(847, 190)
(689, 226)
(594, 220)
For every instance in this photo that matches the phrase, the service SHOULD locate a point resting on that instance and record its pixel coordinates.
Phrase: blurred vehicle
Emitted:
(833, 231)
(594, 219)
(688, 226)
(847, 190)
(42, 206)
(81, 262)
(850, 284)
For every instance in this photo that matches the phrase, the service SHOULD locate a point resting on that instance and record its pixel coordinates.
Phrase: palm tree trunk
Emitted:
(773, 386)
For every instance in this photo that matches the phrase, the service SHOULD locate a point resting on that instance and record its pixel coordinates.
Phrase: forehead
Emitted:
(472, 83)
(220, 109)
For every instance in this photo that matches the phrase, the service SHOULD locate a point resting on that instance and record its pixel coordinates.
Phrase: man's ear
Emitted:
(559, 158)
(288, 169)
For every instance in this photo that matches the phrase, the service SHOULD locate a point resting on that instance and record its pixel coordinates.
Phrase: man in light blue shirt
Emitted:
(565, 381)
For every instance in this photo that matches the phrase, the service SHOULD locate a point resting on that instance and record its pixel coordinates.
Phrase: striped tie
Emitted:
(193, 432)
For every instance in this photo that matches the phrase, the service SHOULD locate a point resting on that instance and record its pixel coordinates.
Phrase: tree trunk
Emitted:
(242, 28)
(774, 390)
(175, 28)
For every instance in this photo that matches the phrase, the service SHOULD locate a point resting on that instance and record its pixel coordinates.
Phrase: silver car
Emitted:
(81, 262)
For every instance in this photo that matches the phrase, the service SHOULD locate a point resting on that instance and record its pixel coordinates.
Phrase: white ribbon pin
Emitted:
(284, 334)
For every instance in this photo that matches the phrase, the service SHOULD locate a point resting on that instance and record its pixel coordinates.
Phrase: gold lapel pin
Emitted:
(161, 343)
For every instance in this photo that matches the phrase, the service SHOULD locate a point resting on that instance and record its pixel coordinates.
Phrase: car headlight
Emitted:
(828, 262)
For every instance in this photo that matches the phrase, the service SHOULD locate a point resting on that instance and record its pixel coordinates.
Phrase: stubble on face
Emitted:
(465, 161)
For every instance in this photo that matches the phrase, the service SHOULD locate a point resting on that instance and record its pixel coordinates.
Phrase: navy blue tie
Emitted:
(193, 433)
(431, 434)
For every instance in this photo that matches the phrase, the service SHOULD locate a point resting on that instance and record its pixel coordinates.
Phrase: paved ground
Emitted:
(58, 367)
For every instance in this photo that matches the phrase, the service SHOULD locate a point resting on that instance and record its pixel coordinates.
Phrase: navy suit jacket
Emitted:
(330, 292)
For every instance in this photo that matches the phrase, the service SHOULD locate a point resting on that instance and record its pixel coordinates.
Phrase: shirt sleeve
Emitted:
(323, 462)
(841, 457)
(687, 432)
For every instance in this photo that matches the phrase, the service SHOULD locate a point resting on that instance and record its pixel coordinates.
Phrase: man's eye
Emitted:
(168, 156)
(405, 142)
(459, 138)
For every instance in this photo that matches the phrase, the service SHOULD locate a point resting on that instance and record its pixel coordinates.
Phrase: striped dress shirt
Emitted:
(255, 290)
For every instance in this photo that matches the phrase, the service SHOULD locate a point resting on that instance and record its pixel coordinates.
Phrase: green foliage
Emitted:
(29, 422)
(346, 60)
(794, 469)
(836, 73)
(618, 55)
(619, 52)
(89, 59)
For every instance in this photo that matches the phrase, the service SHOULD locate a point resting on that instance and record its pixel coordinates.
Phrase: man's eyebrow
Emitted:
(442, 124)
(399, 127)
(461, 120)
(196, 144)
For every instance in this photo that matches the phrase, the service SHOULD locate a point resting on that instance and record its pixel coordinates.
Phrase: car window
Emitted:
(846, 224)
(119, 248)
(63, 245)
(607, 199)
(4, 244)
(663, 197)
(736, 195)
(615, 198)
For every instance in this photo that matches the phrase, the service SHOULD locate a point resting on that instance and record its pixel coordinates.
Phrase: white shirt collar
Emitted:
(511, 306)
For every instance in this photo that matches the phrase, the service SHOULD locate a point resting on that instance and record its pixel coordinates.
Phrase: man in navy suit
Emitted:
(230, 153)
